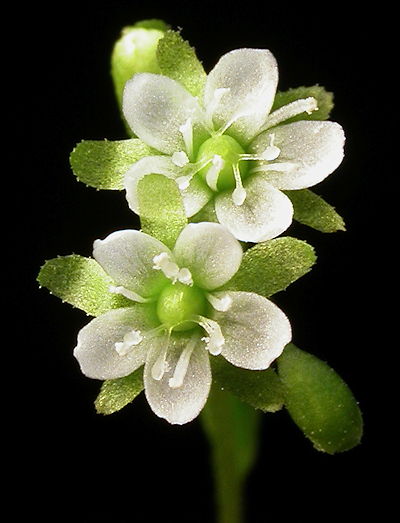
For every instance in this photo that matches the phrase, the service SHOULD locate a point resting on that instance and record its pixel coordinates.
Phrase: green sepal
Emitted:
(178, 60)
(115, 394)
(161, 209)
(81, 282)
(206, 214)
(261, 389)
(102, 164)
(319, 401)
(271, 266)
(312, 210)
(324, 102)
(135, 51)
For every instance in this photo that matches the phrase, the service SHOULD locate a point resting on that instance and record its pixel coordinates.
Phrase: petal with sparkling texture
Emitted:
(127, 257)
(96, 349)
(182, 404)
(255, 330)
(265, 213)
(195, 196)
(311, 150)
(210, 252)
(241, 89)
(156, 107)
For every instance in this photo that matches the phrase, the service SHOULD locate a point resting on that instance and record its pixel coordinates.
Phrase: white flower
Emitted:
(179, 317)
(229, 148)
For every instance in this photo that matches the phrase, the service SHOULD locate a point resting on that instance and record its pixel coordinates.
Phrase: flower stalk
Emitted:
(232, 429)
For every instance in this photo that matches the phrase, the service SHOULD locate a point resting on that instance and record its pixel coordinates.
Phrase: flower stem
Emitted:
(232, 430)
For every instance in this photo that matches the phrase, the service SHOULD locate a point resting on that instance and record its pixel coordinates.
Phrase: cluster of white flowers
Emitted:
(230, 149)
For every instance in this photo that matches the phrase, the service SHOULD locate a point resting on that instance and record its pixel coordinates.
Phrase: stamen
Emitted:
(128, 294)
(160, 366)
(192, 169)
(182, 366)
(187, 132)
(305, 105)
(239, 193)
(221, 304)
(180, 158)
(131, 339)
(185, 276)
(213, 172)
(215, 340)
(162, 262)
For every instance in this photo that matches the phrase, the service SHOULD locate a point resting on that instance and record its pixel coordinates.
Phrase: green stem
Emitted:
(232, 430)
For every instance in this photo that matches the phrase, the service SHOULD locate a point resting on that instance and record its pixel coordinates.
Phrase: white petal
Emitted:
(127, 257)
(178, 405)
(155, 107)
(195, 196)
(96, 351)
(250, 77)
(265, 213)
(148, 165)
(255, 331)
(210, 252)
(314, 148)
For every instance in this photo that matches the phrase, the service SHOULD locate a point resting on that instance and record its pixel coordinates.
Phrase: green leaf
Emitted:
(135, 52)
(82, 283)
(161, 210)
(115, 394)
(232, 428)
(312, 210)
(103, 164)
(324, 101)
(271, 266)
(261, 389)
(178, 60)
(319, 401)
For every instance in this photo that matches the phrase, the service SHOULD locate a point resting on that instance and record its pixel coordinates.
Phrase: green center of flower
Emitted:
(177, 303)
(228, 151)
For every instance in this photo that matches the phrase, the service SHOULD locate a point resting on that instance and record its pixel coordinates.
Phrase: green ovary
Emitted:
(177, 303)
(229, 150)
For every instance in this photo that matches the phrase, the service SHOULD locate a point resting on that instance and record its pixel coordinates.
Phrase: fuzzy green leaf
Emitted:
(103, 164)
(261, 389)
(116, 394)
(324, 101)
(312, 210)
(135, 52)
(82, 283)
(161, 210)
(178, 60)
(319, 401)
(271, 266)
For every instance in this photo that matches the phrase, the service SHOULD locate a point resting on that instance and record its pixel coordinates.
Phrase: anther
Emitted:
(180, 158)
(221, 304)
(131, 339)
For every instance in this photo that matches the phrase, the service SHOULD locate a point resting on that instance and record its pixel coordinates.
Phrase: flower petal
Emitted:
(315, 149)
(155, 107)
(210, 252)
(178, 405)
(127, 256)
(140, 169)
(250, 77)
(255, 330)
(195, 196)
(265, 213)
(96, 351)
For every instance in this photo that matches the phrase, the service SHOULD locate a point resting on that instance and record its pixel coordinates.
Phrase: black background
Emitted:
(71, 464)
